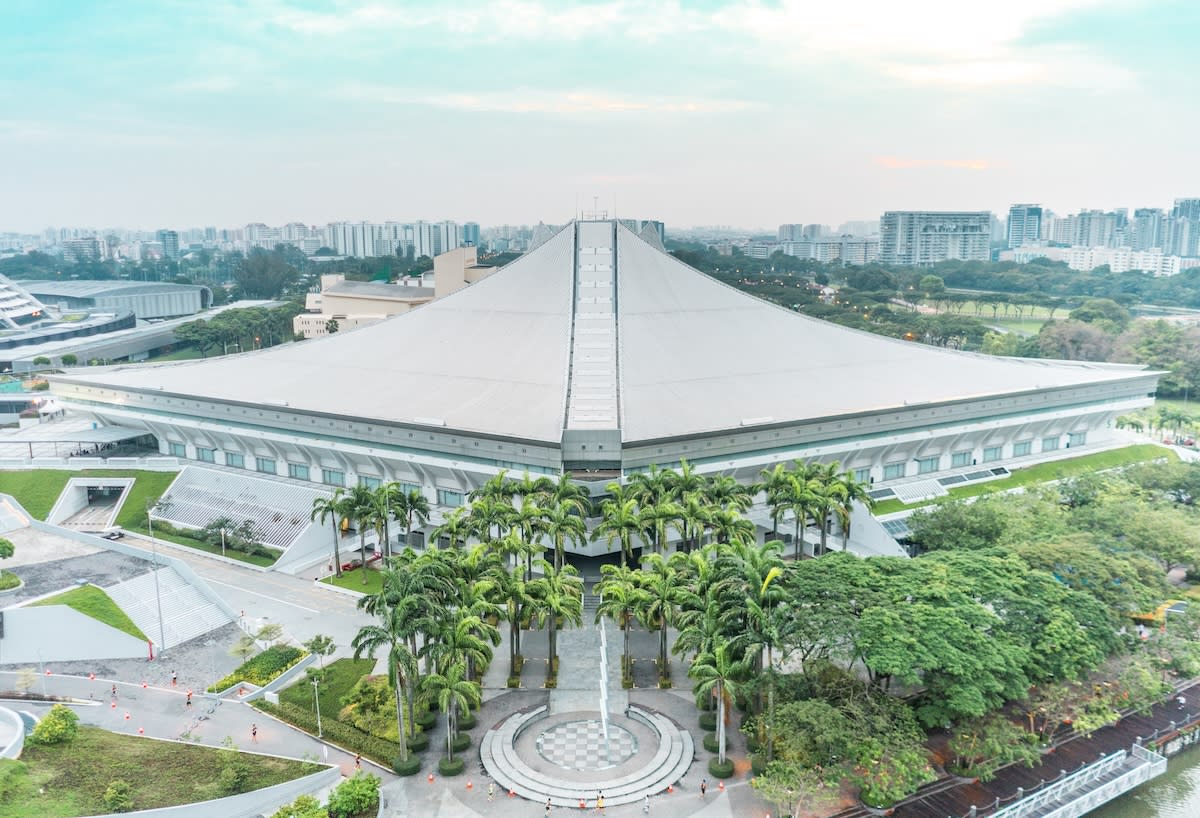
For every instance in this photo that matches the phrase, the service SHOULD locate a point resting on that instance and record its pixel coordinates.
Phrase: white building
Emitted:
(922, 238)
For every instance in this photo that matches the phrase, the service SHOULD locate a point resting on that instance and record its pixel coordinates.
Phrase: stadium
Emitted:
(597, 354)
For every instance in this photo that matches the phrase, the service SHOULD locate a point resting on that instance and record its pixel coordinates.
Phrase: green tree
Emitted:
(453, 693)
(620, 600)
(355, 797)
(389, 634)
(620, 523)
(557, 596)
(69, 359)
(660, 579)
(361, 508)
(331, 508)
(721, 675)
(320, 646)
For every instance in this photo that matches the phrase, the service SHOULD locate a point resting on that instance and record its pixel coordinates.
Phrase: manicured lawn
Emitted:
(340, 677)
(74, 775)
(161, 532)
(92, 601)
(353, 581)
(36, 489)
(1044, 472)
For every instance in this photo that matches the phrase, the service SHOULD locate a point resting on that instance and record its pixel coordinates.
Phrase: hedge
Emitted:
(262, 669)
(426, 720)
(466, 722)
(710, 742)
(719, 770)
(461, 742)
(405, 768)
(419, 742)
(351, 738)
(447, 767)
(708, 722)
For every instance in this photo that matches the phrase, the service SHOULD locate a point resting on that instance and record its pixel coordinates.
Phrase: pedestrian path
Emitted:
(579, 666)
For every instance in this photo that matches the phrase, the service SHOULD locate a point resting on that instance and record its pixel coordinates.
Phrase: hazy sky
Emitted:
(217, 112)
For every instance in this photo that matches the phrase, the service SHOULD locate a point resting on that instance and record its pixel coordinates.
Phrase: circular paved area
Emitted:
(581, 745)
(558, 757)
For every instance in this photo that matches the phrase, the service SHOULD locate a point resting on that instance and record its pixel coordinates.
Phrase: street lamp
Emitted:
(317, 707)
(162, 640)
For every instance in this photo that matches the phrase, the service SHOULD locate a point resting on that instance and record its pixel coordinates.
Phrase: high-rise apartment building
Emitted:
(1024, 224)
(1146, 231)
(169, 240)
(89, 249)
(791, 232)
(470, 234)
(920, 238)
(1182, 231)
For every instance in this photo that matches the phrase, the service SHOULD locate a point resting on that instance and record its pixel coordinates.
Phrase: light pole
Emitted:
(317, 707)
(162, 641)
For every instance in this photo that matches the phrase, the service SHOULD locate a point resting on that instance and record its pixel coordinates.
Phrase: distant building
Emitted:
(922, 238)
(169, 240)
(1146, 231)
(1182, 233)
(143, 299)
(359, 303)
(470, 234)
(1024, 224)
(791, 232)
(76, 250)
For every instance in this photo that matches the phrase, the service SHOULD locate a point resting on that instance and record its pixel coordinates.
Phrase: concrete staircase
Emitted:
(187, 613)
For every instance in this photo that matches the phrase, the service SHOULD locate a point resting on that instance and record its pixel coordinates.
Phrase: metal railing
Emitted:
(1066, 785)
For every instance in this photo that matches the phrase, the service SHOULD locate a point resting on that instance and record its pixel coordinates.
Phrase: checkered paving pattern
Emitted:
(579, 745)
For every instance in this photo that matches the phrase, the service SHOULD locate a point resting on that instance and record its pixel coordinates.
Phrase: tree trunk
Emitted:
(720, 723)
(770, 703)
(824, 532)
(450, 733)
(628, 661)
(337, 558)
(400, 714)
(662, 646)
(796, 541)
(362, 543)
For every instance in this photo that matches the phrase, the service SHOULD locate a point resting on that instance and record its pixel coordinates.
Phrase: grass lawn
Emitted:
(340, 677)
(75, 774)
(1044, 472)
(37, 489)
(353, 581)
(92, 601)
(1022, 327)
(161, 532)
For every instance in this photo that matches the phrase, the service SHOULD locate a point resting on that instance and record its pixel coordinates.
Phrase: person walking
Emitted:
(189, 698)
(254, 733)
(547, 806)
(645, 805)
(358, 761)
(491, 791)
(703, 787)
(600, 803)
(114, 691)
(174, 678)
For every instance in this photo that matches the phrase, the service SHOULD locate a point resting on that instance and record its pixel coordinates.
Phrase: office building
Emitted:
(169, 240)
(1024, 224)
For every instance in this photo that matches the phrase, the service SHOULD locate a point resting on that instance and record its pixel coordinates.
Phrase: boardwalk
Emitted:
(954, 797)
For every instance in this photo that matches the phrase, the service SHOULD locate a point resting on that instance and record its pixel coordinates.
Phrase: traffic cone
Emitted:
(126, 716)
(141, 731)
(470, 786)
(670, 789)
(114, 705)
(431, 778)
(91, 677)
(48, 673)
(144, 685)
(721, 786)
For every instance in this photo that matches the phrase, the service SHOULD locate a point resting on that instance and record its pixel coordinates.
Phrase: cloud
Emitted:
(542, 102)
(897, 163)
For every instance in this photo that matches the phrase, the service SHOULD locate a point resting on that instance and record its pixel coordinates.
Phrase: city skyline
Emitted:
(524, 110)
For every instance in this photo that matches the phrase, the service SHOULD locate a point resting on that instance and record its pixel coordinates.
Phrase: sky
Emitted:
(182, 113)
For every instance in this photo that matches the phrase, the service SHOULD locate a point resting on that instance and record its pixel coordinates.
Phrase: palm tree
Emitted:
(650, 487)
(726, 492)
(827, 492)
(729, 526)
(557, 595)
(415, 504)
(685, 481)
(800, 500)
(655, 519)
(457, 640)
(717, 672)
(661, 582)
(360, 507)
(530, 521)
(776, 484)
(620, 599)
(388, 498)
(563, 524)
(694, 517)
(759, 571)
(456, 527)
(563, 490)
(488, 513)
(511, 592)
(853, 491)
(331, 508)
(452, 692)
(498, 487)
(620, 523)
(402, 664)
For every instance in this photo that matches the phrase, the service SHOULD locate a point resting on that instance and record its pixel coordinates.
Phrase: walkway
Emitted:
(579, 668)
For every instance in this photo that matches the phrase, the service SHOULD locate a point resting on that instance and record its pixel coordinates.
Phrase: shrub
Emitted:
(59, 725)
(664, 682)
(419, 742)
(372, 747)
(426, 720)
(758, 763)
(304, 806)
(710, 742)
(466, 721)
(41, 386)
(410, 767)
(263, 669)
(69, 359)
(8, 580)
(118, 796)
(708, 722)
(355, 797)
(449, 768)
(371, 707)
(234, 778)
(514, 681)
(551, 682)
(719, 770)
(461, 742)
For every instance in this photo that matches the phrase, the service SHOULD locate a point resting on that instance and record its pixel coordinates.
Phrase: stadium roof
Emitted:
(88, 288)
(598, 329)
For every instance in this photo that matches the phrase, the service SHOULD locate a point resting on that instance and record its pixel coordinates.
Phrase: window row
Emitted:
(966, 457)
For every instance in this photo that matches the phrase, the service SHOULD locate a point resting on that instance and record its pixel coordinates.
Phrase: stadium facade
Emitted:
(598, 354)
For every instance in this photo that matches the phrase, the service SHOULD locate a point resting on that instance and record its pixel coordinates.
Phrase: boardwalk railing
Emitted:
(1085, 789)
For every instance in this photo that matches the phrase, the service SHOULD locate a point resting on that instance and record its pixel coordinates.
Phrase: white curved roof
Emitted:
(509, 355)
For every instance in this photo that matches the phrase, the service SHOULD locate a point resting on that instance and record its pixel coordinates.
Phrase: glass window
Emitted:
(450, 498)
(1049, 444)
(1022, 448)
(298, 471)
(893, 471)
(992, 454)
(960, 459)
(369, 482)
(234, 459)
(333, 477)
(862, 475)
(1076, 438)
(206, 455)
(409, 488)
(177, 449)
(925, 465)
(265, 465)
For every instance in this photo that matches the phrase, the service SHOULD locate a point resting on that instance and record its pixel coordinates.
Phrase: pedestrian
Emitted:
(646, 805)
(1181, 700)
(174, 678)
(254, 733)
(703, 787)
(189, 698)
(358, 761)
(114, 691)
(491, 791)
(547, 806)
(600, 803)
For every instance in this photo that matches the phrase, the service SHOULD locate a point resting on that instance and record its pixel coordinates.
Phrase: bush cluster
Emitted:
(263, 668)
(379, 750)
(118, 796)
(355, 797)
(448, 768)
(59, 725)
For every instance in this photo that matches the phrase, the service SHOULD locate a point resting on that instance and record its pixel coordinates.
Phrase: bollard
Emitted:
(972, 812)
(1020, 793)
(144, 685)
